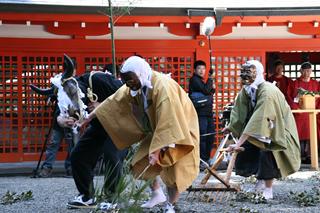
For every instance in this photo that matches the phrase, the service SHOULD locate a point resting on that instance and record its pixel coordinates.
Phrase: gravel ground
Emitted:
(52, 194)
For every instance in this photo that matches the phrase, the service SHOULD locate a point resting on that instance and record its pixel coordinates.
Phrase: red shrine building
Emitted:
(35, 35)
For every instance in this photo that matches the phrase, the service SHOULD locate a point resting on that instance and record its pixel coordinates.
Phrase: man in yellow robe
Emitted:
(262, 117)
(154, 110)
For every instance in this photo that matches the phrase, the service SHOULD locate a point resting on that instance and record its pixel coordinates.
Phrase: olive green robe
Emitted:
(271, 118)
(172, 120)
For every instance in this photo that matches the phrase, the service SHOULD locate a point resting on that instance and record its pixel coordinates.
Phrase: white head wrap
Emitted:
(251, 89)
(259, 68)
(141, 68)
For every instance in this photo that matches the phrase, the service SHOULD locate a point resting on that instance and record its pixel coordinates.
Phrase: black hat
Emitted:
(306, 65)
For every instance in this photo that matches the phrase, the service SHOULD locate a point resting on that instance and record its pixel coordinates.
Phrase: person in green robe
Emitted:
(265, 126)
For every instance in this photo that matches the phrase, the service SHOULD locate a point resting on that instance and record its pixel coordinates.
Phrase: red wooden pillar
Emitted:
(202, 51)
(80, 64)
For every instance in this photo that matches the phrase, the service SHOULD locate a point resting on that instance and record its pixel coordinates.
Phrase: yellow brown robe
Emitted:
(173, 120)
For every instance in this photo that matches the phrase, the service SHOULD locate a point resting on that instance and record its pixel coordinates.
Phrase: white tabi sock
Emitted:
(260, 186)
(169, 208)
(157, 197)
(267, 193)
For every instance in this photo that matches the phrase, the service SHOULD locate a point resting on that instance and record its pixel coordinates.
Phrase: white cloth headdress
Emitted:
(141, 68)
(252, 88)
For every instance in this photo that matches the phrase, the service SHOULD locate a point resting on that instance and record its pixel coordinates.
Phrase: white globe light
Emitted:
(208, 26)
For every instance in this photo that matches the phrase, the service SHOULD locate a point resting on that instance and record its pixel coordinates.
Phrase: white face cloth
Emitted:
(141, 68)
(252, 88)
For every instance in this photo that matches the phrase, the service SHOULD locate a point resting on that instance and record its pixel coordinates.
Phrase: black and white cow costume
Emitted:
(94, 141)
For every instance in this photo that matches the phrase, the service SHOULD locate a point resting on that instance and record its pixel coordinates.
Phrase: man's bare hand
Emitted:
(154, 157)
(81, 125)
(92, 106)
(234, 148)
(231, 148)
(70, 121)
(66, 122)
(226, 130)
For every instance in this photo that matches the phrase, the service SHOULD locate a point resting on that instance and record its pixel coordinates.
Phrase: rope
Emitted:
(90, 94)
(67, 79)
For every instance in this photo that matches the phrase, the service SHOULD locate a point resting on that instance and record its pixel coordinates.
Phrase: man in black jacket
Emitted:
(203, 90)
(94, 141)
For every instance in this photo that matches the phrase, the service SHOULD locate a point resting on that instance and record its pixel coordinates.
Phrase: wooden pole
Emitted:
(112, 39)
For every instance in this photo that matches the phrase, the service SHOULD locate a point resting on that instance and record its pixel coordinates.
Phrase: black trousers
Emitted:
(206, 126)
(254, 161)
(268, 168)
(85, 155)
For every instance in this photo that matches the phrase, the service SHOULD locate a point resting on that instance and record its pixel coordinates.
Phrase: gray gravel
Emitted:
(52, 194)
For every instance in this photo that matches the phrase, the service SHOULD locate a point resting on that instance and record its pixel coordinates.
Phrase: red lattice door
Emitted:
(180, 66)
(36, 114)
(25, 116)
(227, 82)
(10, 125)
